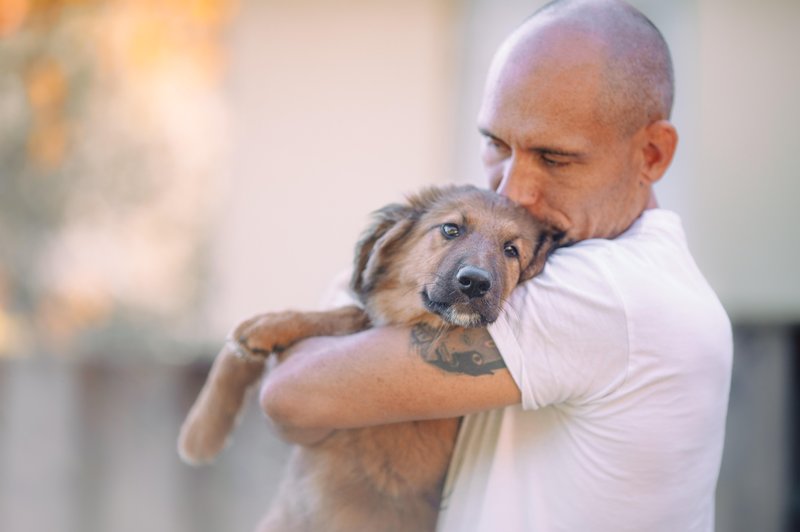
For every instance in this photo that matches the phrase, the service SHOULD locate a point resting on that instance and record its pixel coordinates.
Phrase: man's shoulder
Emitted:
(655, 245)
(655, 229)
(655, 283)
(649, 268)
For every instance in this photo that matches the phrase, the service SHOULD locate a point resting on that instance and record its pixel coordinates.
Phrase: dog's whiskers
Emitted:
(441, 330)
(509, 307)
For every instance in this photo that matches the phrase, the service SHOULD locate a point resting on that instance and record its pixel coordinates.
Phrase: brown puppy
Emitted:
(448, 257)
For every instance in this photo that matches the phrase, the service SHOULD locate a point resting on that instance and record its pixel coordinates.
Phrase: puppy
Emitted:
(446, 258)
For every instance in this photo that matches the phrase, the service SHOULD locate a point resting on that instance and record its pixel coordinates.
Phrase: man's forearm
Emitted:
(384, 376)
(467, 351)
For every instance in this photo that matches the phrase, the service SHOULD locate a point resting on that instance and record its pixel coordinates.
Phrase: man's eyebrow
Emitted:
(542, 150)
(486, 133)
(546, 150)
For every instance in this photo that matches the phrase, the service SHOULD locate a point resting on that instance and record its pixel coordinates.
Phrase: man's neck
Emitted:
(651, 202)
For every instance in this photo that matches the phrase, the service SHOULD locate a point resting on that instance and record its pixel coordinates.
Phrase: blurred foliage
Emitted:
(112, 135)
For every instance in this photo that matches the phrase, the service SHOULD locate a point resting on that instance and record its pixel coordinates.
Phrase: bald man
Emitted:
(610, 412)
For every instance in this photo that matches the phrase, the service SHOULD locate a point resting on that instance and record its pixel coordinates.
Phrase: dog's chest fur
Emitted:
(394, 470)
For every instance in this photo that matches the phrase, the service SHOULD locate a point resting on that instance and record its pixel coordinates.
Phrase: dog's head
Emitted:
(452, 254)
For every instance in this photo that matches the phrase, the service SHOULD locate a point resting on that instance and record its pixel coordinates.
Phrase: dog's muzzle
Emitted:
(468, 301)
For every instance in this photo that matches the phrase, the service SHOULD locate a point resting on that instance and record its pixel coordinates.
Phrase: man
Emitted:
(610, 415)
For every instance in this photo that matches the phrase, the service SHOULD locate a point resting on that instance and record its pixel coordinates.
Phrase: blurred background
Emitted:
(170, 167)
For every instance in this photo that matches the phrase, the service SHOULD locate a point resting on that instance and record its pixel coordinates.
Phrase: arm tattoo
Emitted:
(467, 351)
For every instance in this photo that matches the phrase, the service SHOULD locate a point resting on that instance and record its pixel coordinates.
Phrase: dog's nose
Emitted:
(473, 281)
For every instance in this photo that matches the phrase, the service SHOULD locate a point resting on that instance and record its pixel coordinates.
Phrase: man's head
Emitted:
(575, 116)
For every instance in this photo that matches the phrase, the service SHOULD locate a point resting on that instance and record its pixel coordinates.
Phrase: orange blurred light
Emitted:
(47, 144)
(12, 15)
(46, 85)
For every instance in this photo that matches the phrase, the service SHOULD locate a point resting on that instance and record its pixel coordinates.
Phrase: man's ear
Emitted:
(659, 141)
(391, 223)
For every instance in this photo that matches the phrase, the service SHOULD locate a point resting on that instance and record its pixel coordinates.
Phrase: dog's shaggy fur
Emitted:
(409, 269)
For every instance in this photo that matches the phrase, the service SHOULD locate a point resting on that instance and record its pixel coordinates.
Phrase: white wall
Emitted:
(747, 177)
(338, 108)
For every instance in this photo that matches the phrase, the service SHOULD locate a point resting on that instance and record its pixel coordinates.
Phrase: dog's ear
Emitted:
(391, 224)
(546, 244)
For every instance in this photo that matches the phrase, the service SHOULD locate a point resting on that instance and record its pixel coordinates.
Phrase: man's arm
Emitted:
(385, 375)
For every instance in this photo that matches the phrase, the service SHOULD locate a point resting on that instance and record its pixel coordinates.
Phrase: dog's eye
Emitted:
(511, 251)
(450, 230)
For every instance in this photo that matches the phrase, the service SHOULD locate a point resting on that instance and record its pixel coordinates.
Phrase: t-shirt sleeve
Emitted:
(564, 334)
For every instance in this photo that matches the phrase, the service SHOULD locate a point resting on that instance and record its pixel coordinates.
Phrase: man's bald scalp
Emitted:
(638, 69)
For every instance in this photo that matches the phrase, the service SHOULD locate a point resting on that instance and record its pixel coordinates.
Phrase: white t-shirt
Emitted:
(623, 356)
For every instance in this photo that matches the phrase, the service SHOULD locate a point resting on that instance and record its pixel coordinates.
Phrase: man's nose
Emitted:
(518, 183)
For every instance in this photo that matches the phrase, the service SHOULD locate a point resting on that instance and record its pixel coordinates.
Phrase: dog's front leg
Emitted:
(274, 332)
(216, 410)
(240, 364)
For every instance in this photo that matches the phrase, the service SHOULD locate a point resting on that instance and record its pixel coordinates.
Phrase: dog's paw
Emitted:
(257, 335)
